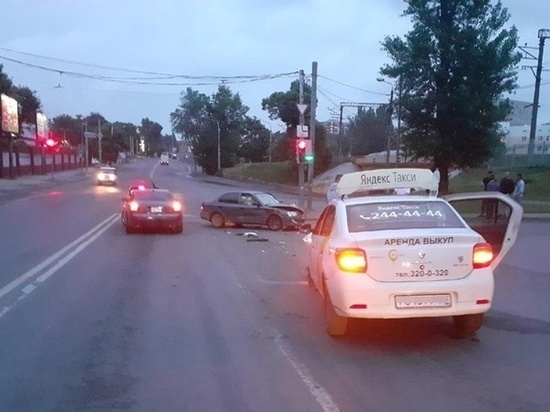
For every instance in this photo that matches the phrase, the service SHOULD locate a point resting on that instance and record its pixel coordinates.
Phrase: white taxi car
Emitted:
(106, 176)
(408, 256)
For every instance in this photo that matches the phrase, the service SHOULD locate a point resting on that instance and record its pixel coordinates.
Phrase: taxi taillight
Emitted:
(176, 206)
(351, 260)
(483, 255)
(134, 206)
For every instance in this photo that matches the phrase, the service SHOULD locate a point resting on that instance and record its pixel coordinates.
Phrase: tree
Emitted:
(454, 65)
(198, 117)
(255, 141)
(152, 134)
(69, 128)
(368, 131)
(30, 104)
(5, 82)
(282, 105)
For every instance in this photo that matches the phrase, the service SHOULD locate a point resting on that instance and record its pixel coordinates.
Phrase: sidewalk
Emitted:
(29, 183)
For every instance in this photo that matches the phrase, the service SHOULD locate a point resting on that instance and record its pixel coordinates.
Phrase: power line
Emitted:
(352, 87)
(207, 80)
(152, 73)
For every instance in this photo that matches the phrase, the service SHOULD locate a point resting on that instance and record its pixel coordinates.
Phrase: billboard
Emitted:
(10, 121)
(41, 126)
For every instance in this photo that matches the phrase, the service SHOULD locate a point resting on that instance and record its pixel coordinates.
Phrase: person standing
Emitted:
(332, 192)
(519, 189)
(507, 185)
(490, 176)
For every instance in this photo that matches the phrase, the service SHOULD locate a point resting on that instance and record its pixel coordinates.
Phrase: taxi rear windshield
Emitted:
(408, 215)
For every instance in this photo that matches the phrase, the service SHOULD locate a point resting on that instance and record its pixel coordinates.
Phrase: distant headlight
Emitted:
(292, 214)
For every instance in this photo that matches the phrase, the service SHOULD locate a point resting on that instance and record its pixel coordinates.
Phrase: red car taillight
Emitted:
(176, 206)
(351, 260)
(483, 255)
(134, 206)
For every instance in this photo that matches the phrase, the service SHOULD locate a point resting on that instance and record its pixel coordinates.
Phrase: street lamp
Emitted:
(390, 111)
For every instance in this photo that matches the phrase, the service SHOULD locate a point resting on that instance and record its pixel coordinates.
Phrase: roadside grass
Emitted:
(275, 172)
(537, 180)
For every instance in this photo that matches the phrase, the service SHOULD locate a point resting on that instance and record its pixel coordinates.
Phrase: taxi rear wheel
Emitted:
(274, 222)
(467, 325)
(336, 325)
(217, 220)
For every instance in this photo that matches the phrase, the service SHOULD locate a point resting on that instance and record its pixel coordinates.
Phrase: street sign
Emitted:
(90, 135)
(302, 131)
(301, 107)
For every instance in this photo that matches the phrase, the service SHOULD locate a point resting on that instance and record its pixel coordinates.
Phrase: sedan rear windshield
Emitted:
(152, 195)
(407, 215)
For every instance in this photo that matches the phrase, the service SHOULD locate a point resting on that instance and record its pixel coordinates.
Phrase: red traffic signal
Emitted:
(51, 144)
(301, 144)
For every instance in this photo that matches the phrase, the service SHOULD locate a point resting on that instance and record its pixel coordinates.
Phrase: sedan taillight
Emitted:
(176, 206)
(483, 255)
(134, 206)
(351, 260)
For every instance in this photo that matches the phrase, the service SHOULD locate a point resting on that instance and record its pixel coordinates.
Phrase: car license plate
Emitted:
(422, 301)
(156, 209)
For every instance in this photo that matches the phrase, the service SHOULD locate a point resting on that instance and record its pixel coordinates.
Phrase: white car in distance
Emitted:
(408, 256)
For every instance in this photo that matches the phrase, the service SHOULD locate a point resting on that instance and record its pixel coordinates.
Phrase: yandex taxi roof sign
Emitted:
(382, 179)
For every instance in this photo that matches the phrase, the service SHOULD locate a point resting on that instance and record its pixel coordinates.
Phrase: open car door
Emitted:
(493, 215)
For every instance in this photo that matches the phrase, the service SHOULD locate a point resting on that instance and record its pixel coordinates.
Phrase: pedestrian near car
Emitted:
(491, 205)
(519, 189)
(490, 176)
(507, 185)
(332, 192)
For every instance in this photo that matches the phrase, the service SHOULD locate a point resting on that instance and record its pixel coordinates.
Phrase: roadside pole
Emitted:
(301, 174)
(312, 121)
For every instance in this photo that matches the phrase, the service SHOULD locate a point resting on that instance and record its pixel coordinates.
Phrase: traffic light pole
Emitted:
(301, 173)
(312, 120)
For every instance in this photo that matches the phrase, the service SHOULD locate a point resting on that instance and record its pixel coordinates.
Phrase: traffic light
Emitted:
(51, 144)
(304, 154)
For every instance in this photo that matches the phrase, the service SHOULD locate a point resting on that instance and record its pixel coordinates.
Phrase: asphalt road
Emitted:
(93, 319)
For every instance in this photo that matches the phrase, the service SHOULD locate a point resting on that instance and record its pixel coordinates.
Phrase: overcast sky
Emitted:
(221, 38)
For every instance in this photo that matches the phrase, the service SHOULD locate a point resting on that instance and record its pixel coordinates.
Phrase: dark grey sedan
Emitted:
(252, 208)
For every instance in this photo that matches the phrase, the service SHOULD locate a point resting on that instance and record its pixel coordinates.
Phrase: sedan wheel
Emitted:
(336, 325)
(217, 220)
(274, 222)
(467, 325)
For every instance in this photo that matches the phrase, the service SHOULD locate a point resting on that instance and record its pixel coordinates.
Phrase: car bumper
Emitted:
(292, 221)
(106, 182)
(145, 220)
(350, 293)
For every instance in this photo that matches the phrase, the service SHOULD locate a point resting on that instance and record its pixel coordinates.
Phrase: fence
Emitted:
(33, 161)
(516, 156)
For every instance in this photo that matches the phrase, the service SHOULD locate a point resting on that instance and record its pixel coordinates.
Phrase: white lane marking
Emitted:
(32, 272)
(46, 275)
(5, 310)
(320, 394)
(28, 289)
(152, 172)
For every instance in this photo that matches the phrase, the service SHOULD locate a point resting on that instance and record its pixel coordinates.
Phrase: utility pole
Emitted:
(86, 144)
(543, 35)
(99, 136)
(301, 173)
(312, 121)
(340, 135)
(398, 121)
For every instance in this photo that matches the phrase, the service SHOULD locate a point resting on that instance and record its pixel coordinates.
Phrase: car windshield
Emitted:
(409, 215)
(267, 199)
